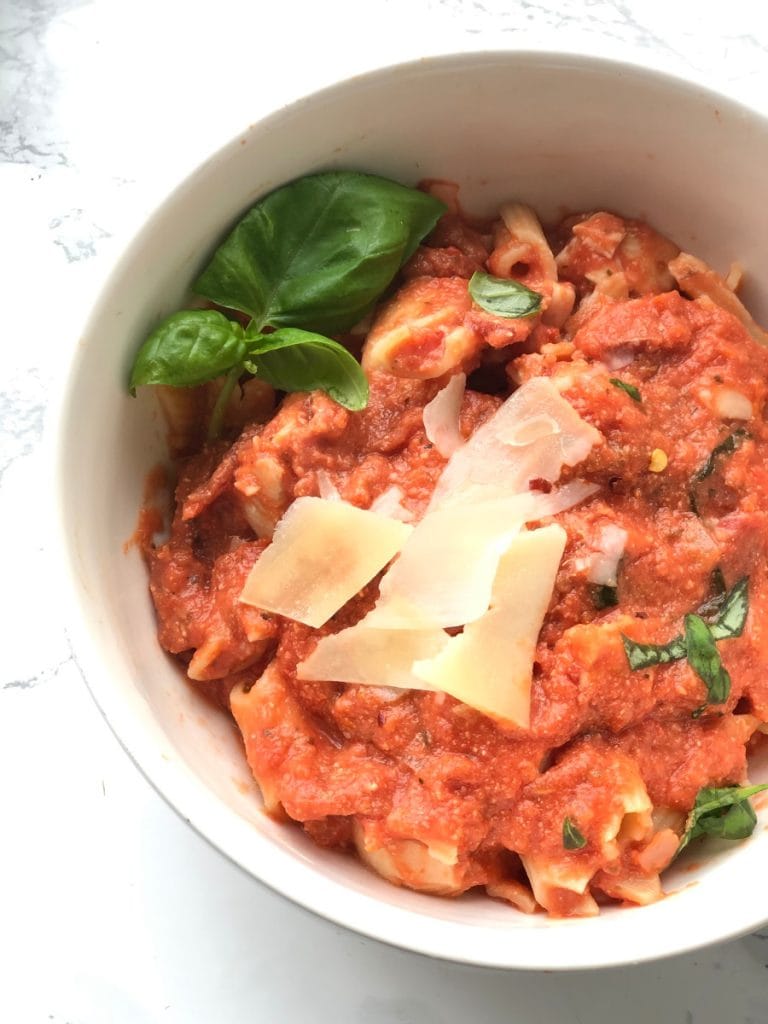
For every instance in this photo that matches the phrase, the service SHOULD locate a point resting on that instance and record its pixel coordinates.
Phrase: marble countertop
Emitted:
(112, 909)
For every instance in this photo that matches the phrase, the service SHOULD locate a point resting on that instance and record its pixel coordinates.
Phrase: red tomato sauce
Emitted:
(398, 767)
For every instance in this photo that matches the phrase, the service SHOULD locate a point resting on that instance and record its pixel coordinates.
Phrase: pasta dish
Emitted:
(498, 621)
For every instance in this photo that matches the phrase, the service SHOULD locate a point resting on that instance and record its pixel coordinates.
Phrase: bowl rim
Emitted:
(180, 788)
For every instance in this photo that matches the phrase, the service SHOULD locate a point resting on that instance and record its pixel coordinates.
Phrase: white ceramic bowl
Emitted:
(559, 132)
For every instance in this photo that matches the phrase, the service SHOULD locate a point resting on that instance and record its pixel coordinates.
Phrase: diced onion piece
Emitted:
(327, 489)
(732, 405)
(390, 503)
(376, 657)
(322, 554)
(444, 575)
(531, 436)
(489, 666)
(604, 563)
(441, 416)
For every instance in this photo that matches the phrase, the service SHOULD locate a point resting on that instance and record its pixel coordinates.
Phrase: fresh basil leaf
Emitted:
(572, 837)
(503, 297)
(604, 596)
(630, 389)
(704, 659)
(294, 360)
(726, 447)
(318, 252)
(725, 813)
(730, 623)
(189, 348)
(644, 655)
(733, 615)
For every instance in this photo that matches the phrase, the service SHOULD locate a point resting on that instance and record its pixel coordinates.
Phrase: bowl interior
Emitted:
(561, 133)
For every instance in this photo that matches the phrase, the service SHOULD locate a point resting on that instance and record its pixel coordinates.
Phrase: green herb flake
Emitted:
(630, 389)
(726, 447)
(704, 659)
(729, 623)
(722, 813)
(732, 617)
(644, 655)
(572, 837)
(504, 297)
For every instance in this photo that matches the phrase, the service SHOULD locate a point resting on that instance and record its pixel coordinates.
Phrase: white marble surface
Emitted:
(110, 908)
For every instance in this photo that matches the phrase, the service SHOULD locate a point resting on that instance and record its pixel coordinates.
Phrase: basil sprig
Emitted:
(195, 346)
(698, 644)
(310, 258)
(723, 813)
(573, 839)
(504, 297)
(630, 389)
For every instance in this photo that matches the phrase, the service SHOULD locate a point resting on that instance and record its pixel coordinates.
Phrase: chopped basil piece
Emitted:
(644, 655)
(572, 837)
(723, 813)
(728, 624)
(630, 389)
(503, 296)
(726, 447)
(733, 615)
(604, 596)
(704, 659)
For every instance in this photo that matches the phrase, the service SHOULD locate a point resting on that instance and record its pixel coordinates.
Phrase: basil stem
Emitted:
(222, 399)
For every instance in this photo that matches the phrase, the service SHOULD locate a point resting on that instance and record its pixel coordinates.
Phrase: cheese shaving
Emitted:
(445, 572)
(322, 554)
(375, 657)
(489, 665)
(530, 437)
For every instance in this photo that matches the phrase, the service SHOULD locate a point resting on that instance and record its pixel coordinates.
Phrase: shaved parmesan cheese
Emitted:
(489, 666)
(446, 568)
(531, 436)
(390, 503)
(377, 657)
(604, 563)
(441, 416)
(322, 554)
(444, 575)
